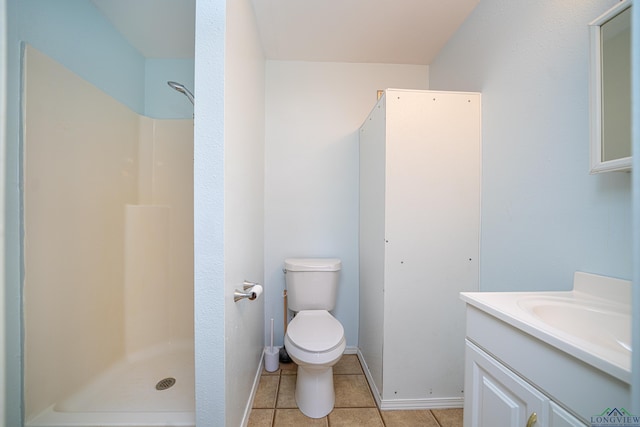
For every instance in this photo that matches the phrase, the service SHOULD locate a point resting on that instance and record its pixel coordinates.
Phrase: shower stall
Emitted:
(108, 257)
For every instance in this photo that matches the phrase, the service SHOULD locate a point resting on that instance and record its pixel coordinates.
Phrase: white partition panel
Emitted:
(419, 241)
(371, 247)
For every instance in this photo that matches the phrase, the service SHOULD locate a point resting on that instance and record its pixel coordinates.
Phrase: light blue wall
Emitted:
(75, 34)
(160, 101)
(543, 215)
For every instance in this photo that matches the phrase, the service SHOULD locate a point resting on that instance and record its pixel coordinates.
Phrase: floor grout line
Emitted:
(288, 372)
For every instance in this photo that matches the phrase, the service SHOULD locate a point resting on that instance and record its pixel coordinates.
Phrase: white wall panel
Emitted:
(430, 241)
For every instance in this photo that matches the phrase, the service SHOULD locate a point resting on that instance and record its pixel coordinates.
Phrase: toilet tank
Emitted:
(312, 283)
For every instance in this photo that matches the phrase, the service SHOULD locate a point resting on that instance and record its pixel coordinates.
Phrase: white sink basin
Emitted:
(600, 324)
(592, 322)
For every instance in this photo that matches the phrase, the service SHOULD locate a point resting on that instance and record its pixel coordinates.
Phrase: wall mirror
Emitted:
(610, 89)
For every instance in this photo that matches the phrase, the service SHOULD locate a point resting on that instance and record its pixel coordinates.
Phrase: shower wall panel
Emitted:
(79, 170)
(148, 314)
(173, 186)
(170, 154)
(86, 158)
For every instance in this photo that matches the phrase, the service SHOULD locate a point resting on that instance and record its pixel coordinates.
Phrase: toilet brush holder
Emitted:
(272, 359)
(271, 355)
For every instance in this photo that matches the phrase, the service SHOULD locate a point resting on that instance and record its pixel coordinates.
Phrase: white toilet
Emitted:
(314, 339)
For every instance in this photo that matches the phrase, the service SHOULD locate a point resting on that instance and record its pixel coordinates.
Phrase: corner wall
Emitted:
(543, 215)
(210, 293)
(243, 205)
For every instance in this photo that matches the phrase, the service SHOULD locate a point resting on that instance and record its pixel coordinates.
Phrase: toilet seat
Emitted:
(315, 331)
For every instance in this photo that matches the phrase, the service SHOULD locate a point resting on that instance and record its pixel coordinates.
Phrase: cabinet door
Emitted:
(497, 397)
(558, 417)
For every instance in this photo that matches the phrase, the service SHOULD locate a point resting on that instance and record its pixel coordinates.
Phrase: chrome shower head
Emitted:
(180, 88)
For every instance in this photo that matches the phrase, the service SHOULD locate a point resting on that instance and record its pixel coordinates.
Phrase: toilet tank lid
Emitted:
(312, 264)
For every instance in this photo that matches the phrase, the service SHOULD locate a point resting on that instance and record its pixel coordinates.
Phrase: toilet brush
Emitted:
(271, 346)
(271, 356)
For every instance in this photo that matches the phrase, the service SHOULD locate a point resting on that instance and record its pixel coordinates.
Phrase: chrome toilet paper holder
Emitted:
(247, 291)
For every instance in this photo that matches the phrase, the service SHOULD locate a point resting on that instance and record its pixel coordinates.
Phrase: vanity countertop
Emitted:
(592, 322)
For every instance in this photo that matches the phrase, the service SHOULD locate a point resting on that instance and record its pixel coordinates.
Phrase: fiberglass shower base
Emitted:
(126, 395)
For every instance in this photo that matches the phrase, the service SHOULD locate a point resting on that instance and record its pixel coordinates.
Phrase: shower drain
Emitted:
(165, 383)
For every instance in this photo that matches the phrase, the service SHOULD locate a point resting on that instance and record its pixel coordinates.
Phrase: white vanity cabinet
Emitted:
(498, 397)
(564, 356)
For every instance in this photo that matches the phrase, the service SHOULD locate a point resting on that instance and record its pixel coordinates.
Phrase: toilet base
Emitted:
(315, 394)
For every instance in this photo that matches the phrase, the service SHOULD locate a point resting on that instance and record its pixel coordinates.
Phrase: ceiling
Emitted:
(368, 31)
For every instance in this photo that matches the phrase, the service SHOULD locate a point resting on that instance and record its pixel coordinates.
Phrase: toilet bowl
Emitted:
(315, 342)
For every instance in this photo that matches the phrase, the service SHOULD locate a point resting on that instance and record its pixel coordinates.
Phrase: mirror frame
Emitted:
(595, 93)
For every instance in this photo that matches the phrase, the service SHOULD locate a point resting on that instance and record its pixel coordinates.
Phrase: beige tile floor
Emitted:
(275, 405)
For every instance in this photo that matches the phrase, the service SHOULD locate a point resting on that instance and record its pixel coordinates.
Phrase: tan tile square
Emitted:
(267, 392)
(295, 418)
(348, 365)
(415, 418)
(289, 368)
(286, 392)
(265, 372)
(354, 417)
(448, 417)
(261, 418)
(352, 391)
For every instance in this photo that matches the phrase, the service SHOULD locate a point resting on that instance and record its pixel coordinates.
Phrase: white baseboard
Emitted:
(351, 350)
(434, 403)
(254, 389)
